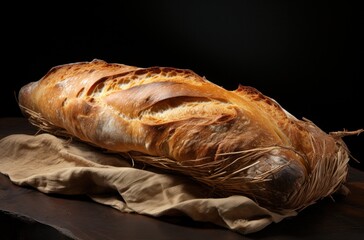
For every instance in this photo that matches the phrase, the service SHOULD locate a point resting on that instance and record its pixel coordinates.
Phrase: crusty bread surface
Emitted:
(237, 142)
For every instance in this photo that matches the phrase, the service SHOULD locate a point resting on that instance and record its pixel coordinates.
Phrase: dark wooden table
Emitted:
(28, 214)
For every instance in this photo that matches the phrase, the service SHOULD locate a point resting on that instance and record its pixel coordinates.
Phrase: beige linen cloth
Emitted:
(56, 165)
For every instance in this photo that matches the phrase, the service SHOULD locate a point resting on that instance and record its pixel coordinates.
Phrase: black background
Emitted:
(306, 55)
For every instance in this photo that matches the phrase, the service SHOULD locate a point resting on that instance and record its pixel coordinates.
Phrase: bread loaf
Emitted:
(236, 142)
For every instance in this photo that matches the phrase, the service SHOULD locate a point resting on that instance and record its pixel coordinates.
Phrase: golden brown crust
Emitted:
(188, 121)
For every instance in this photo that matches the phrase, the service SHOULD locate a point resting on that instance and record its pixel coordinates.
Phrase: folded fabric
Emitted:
(55, 165)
